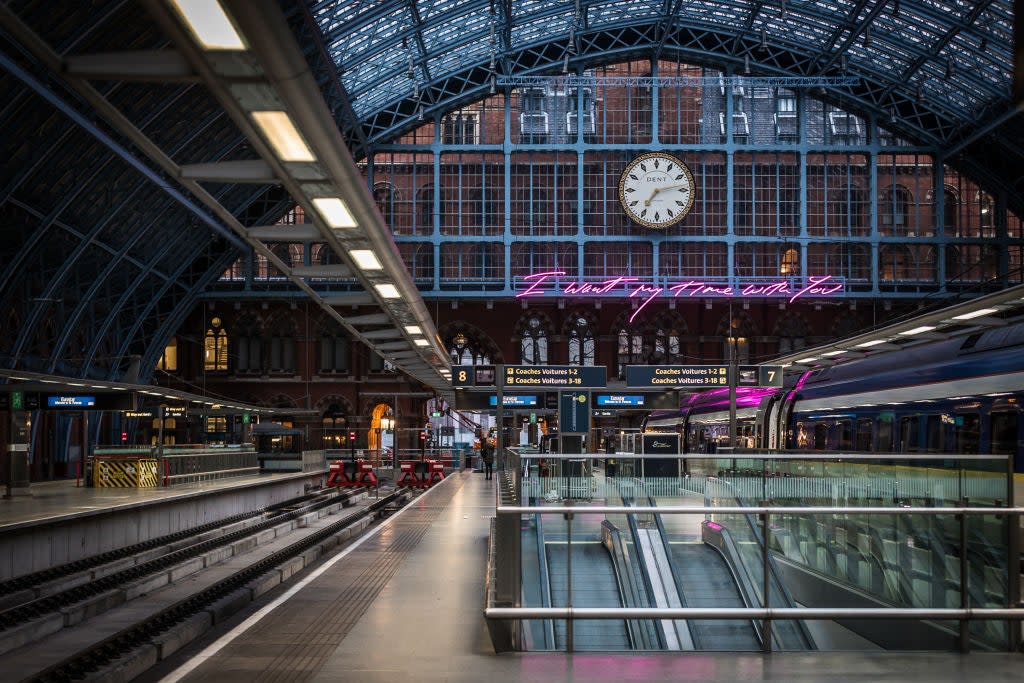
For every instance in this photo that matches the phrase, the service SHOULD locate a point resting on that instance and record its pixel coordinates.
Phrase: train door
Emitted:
(771, 431)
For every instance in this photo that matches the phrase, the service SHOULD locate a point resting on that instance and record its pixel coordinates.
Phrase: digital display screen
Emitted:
(620, 400)
(70, 401)
(514, 401)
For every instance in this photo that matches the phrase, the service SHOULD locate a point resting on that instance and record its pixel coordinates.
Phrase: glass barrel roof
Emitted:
(951, 57)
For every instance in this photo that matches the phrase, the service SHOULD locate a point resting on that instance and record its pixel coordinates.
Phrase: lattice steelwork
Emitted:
(785, 186)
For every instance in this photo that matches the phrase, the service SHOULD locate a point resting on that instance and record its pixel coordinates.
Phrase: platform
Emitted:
(61, 523)
(406, 603)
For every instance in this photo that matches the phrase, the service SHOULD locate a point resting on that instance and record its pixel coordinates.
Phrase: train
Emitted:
(961, 395)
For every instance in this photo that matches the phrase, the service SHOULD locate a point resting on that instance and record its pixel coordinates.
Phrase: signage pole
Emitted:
(732, 388)
(499, 416)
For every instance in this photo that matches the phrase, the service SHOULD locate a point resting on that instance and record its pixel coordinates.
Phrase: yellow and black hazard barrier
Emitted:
(125, 473)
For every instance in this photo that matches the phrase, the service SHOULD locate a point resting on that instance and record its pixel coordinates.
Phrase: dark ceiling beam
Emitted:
(417, 23)
(855, 32)
(968, 20)
(163, 66)
(247, 171)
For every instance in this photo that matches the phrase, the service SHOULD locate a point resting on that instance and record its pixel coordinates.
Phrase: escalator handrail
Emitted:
(773, 569)
(545, 582)
(628, 590)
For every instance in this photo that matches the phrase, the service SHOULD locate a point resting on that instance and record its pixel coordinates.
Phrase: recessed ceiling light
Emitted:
(873, 342)
(809, 359)
(335, 212)
(918, 330)
(388, 291)
(279, 130)
(834, 353)
(210, 24)
(420, 341)
(976, 314)
(365, 259)
(413, 329)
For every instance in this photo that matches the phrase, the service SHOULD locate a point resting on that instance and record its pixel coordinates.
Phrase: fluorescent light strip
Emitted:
(809, 359)
(834, 353)
(419, 341)
(388, 291)
(873, 342)
(365, 259)
(334, 211)
(976, 314)
(210, 24)
(918, 330)
(413, 329)
(278, 129)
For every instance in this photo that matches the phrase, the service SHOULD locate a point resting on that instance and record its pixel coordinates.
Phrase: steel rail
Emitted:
(754, 510)
(811, 613)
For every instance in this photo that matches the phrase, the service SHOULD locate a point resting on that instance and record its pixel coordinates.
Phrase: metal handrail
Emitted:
(755, 510)
(745, 613)
(767, 455)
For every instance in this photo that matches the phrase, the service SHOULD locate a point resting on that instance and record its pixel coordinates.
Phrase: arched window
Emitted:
(248, 347)
(534, 343)
(789, 263)
(581, 343)
(424, 210)
(792, 332)
(667, 349)
(385, 195)
(986, 214)
(894, 209)
(215, 347)
(333, 423)
(950, 212)
(282, 346)
(894, 263)
(630, 349)
(465, 350)
(333, 349)
(169, 359)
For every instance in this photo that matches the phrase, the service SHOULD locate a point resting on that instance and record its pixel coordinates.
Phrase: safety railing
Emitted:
(503, 612)
(895, 531)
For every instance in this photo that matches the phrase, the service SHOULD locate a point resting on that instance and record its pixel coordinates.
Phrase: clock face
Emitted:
(656, 190)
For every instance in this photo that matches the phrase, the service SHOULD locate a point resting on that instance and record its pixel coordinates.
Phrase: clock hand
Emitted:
(647, 202)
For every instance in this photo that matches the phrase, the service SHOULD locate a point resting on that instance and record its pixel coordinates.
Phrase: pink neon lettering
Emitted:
(641, 290)
(535, 286)
(816, 285)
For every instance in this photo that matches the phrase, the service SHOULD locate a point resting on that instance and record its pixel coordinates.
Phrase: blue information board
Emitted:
(514, 401)
(73, 401)
(619, 400)
(574, 412)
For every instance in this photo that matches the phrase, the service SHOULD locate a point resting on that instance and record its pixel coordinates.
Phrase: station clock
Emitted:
(656, 190)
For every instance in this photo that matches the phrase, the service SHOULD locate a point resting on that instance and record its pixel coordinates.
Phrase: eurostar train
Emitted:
(961, 395)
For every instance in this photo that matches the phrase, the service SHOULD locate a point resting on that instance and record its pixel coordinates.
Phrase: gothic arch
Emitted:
(334, 399)
(477, 339)
(569, 322)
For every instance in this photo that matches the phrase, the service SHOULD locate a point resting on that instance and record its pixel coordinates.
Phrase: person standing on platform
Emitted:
(487, 456)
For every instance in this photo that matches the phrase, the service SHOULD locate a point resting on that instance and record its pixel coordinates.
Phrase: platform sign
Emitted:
(513, 400)
(175, 411)
(569, 376)
(759, 376)
(574, 412)
(130, 414)
(619, 400)
(682, 376)
(70, 401)
(17, 400)
(246, 418)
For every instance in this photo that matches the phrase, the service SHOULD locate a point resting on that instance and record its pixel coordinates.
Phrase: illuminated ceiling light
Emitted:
(49, 381)
(413, 329)
(365, 259)
(209, 24)
(809, 359)
(1001, 393)
(420, 341)
(334, 212)
(278, 128)
(99, 386)
(76, 384)
(873, 342)
(918, 330)
(834, 353)
(388, 291)
(976, 314)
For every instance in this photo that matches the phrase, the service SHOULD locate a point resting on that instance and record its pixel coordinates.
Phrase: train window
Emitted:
(935, 433)
(883, 437)
(1004, 433)
(845, 435)
(909, 435)
(968, 433)
(863, 434)
(820, 437)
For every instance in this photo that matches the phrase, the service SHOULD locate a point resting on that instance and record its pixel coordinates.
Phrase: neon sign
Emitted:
(547, 284)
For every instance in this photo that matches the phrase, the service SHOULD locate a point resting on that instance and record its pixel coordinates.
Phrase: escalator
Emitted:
(596, 582)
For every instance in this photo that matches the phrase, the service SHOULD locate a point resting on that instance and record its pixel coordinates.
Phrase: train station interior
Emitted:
(522, 339)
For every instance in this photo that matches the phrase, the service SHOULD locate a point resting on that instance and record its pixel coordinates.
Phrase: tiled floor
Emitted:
(407, 605)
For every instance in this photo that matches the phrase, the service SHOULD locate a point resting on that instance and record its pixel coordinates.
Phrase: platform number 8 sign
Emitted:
(462, 375)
